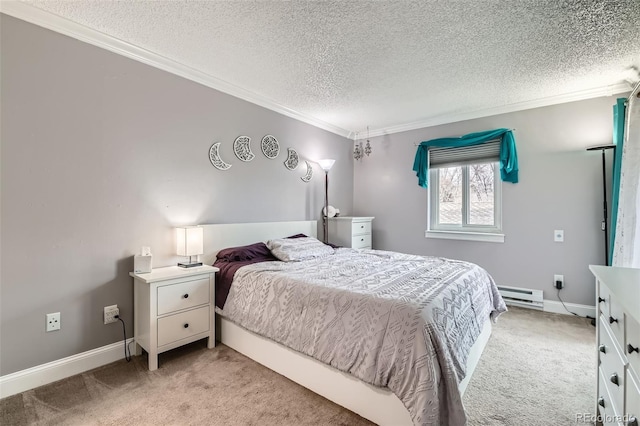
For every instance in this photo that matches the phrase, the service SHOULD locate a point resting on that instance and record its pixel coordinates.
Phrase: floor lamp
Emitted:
(326, 166)
(605, 218)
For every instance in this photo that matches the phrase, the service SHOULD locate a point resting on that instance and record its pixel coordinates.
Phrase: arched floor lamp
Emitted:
(605, 219)
(326, 166)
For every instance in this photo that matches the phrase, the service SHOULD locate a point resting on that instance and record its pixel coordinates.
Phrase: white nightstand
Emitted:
(350, 231)
(173, 306)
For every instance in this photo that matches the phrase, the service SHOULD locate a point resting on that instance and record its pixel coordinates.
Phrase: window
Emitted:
(465, 193)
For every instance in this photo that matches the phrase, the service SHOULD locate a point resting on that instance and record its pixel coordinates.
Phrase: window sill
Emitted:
(468, 236)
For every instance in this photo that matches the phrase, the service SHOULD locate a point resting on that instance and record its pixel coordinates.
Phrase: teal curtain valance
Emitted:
(508, 155)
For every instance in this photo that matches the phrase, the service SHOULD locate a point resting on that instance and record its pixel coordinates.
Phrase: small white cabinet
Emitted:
(173, 306)
(350, 231)
(618, 345)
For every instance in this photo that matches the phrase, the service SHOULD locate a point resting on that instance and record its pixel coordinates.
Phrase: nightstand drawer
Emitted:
(350, 231)
(361, 241)
(183, 325)
(358, 228)
(184, 295)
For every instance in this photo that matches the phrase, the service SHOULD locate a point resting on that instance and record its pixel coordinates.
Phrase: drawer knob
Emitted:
(632, 421)
(186, 325)
(361, 239)
(614, 379)
(600, 299)
(601, 402)
(603, 349)
(631, 349)
(185, 296)
(612, 320)
(361, 226)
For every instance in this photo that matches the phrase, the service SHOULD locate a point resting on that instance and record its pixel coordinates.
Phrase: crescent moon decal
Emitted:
(292, 159)
(215, 158)
(242, 148)
(309, 175)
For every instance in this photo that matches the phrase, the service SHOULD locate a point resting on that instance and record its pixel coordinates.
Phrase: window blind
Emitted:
(455, 156)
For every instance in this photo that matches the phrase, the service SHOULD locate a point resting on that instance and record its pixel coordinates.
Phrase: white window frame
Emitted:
(465, 231)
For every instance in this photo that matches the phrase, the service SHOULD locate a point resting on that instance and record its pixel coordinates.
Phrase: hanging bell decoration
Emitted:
(357, 151)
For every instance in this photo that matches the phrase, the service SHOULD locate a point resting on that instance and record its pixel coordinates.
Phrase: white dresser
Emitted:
(618, 343)
(173, 306)
(350, 231)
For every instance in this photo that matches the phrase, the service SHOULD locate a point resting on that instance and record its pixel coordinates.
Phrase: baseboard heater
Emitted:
(524, 297)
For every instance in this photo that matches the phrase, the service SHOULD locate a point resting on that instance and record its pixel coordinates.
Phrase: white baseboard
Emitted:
(582, 310)
(50, 372)
(33, 377)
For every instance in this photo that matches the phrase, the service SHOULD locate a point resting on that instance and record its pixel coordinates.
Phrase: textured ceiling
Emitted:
(384, 64)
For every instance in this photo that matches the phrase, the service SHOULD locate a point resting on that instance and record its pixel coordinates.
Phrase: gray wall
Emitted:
(560, 188)
(102, 155)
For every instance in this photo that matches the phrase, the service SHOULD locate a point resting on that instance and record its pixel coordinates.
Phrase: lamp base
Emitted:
(190, 265)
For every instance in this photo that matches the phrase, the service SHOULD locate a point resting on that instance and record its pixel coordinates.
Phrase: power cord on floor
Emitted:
(593, 321)
(565, 306)
(127, 350)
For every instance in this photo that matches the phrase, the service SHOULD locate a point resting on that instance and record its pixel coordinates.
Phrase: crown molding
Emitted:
(48, 20)
(504, 109)
(42, 18)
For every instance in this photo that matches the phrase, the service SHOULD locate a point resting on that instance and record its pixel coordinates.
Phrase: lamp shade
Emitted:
(190, 240)
(326, 164)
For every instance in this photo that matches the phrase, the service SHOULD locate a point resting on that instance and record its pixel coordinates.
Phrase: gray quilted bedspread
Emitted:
(393, 320)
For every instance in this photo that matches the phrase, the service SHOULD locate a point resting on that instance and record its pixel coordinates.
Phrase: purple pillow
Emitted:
(298, 236)
(243, 253)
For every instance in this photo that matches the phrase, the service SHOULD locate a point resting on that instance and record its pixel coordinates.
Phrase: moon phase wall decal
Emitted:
(270, 146)
(292, 159)
(309, 175)
(242, 149)
(214, 156)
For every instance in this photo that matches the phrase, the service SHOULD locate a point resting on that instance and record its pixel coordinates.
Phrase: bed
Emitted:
(363, 395)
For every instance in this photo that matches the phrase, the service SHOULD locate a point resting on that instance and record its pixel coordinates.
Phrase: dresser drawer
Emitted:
(611, 366)
(183, 295)
(361, 241)
(183, 325)
(632, 401)
(358, 228)
(616, 320)
(632, 344)
(607, 411)
(605, 298)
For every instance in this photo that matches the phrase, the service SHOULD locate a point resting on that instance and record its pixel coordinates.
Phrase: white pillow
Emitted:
(293, 249)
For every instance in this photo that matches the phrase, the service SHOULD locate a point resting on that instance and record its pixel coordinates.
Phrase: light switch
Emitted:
(558, 236)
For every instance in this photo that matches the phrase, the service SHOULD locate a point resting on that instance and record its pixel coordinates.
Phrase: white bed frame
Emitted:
(379, 405)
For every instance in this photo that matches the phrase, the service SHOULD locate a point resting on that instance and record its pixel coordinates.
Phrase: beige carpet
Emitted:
(538, 369)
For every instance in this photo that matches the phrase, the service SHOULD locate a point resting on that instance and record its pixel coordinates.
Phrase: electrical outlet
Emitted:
(558, 236)
(558, 281)
(110, 313)
(53, 321)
